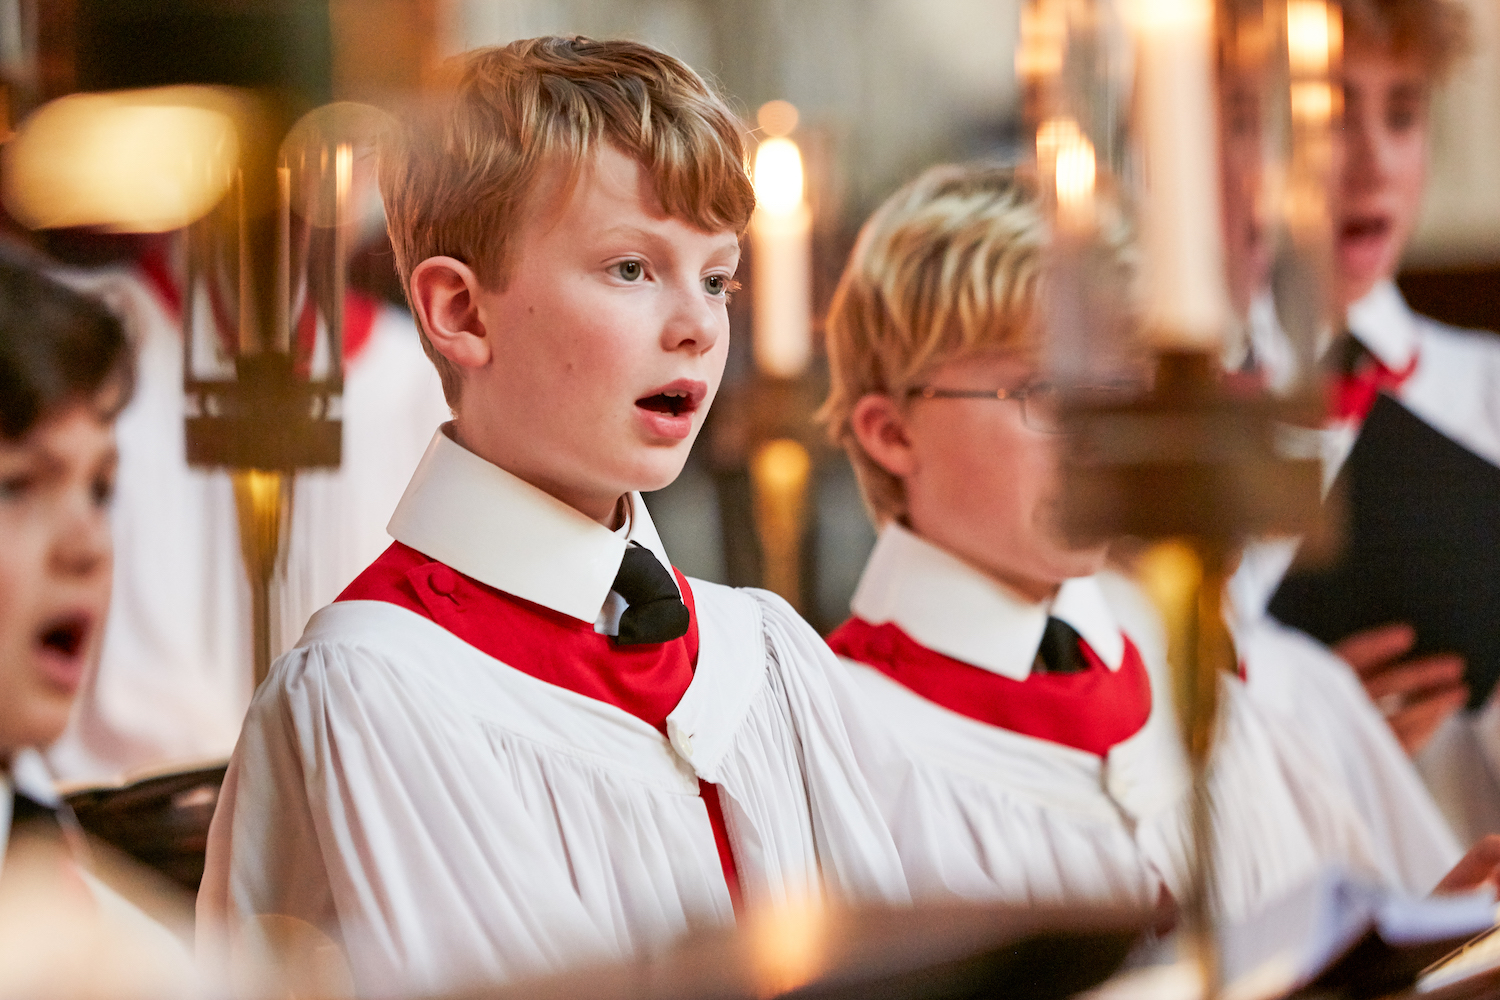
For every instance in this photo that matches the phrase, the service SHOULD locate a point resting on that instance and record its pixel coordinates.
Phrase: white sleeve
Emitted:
(359, 802)
(839, 745)
(1320, 702)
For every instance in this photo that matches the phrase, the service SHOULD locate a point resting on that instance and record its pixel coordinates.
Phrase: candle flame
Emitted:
(1160, 16)
(1044, 35)
(1063, 151)
(1312, 102)
(1313, 36)
(778, 176)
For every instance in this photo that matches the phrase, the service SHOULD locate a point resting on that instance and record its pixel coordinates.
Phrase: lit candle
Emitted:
(1065, 154)
(1185, 300)
(781, 251)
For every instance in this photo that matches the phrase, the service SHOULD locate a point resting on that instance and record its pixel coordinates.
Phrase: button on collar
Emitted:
(442, 580)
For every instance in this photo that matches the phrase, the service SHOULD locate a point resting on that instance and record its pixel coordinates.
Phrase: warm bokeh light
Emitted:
(1171, 15)
(1313, 36)
(1312, 101)
(779, 473)
(1065, 152)
(777, 118)
(778, 176)
(1043, 38)
(135, 161)
(789, 946)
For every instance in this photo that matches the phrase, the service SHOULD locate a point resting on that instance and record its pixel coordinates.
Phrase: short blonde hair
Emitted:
(1435, 32)
(458, 175)
(949, 265)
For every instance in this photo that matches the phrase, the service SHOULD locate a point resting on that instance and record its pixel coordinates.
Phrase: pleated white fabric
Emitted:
(981, 812)
(1294, 677)
(452, 820)
(1456, 389)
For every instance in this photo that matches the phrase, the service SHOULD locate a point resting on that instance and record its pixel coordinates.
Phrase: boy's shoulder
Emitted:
(388, 579)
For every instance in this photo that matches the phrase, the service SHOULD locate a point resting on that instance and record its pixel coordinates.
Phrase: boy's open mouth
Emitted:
(65, 636)
(676, 399)
(666, 402)
(1363, 228)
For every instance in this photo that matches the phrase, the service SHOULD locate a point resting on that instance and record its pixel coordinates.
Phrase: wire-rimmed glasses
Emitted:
(1041, 402)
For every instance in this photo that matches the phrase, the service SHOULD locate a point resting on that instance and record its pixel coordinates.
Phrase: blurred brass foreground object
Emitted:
(952, 951)
(262, 503)
(1196, 469)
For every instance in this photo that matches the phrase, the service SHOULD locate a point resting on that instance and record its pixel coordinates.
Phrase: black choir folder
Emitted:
(1422, 547)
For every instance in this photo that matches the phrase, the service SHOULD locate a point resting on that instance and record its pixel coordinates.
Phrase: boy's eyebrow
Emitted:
(731, 242)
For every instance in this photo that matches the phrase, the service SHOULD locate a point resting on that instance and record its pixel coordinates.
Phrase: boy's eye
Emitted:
(630, 270)
(720, 284)
(1402, 116)
(16, 486)
(102, 491)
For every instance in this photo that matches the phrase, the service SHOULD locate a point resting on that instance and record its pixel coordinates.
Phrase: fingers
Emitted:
(1373, 648)
(1415, 724)
(1414, 676)
(1475, 869)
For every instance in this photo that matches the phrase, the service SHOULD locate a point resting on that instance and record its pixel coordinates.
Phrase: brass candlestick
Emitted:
(1194, 469)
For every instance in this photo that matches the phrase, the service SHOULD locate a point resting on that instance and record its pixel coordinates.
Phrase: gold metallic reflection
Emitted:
(779, 472)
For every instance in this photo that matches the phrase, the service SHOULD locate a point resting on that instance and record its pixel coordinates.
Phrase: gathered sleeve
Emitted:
(842, 752)
(364, 802)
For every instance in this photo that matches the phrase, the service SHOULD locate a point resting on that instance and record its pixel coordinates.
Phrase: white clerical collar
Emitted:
(949, 606)
(1386, 326)
(502, 531)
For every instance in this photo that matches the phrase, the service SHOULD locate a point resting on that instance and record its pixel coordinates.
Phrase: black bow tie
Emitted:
(654, 612)
(1061, 651)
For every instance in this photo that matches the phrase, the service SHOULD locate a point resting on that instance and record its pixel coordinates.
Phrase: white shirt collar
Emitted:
(502, 531)
(949, 606)
(1385, 325)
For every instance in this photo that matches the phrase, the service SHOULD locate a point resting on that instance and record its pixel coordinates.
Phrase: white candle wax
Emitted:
(1185, 299)
(781, 262)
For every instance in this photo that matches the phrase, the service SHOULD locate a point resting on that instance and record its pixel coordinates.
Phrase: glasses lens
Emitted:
(1041, 409)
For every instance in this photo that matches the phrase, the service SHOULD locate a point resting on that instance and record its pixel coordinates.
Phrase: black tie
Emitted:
(1348, 356)
(654, 612)
(1061, 651)
(32, 816)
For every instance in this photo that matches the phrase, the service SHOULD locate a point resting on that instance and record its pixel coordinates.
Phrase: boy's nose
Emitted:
(693, 325)
(82, 544)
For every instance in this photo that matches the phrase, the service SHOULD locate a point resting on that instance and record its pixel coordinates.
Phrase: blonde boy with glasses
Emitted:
(1032, 753)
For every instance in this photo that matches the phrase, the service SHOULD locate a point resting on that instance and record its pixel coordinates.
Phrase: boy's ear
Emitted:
(445, 297)
(880, 427)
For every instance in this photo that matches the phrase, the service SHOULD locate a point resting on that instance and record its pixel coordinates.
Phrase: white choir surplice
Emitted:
(984, 812)
(175, 673)
(455, 819)
(1455, 388)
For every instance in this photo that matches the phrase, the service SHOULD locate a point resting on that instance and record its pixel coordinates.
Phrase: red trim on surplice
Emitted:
(646, 680)
(359, 309)
(1351, 397)
(1091, 710)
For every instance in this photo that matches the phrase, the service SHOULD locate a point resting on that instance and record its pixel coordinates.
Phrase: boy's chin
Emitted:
(1073, 563)
(657, 471)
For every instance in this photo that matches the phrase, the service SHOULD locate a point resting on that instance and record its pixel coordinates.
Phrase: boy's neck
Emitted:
(610, 511)
(1030, 591)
